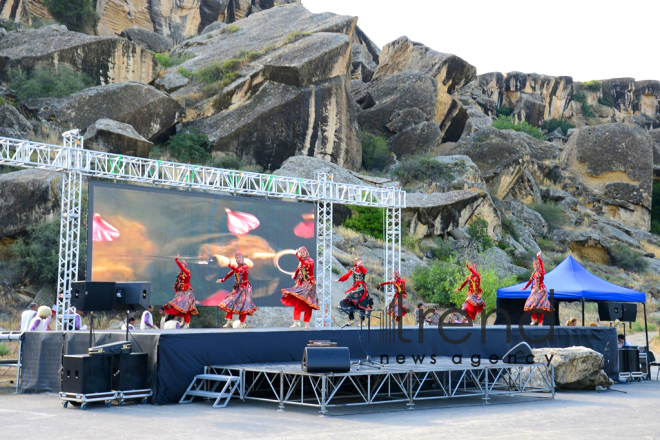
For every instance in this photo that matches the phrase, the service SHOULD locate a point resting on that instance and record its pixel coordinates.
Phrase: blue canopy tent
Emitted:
(570, 282)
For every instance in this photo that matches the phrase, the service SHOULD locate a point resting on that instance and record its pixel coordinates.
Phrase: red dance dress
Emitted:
(183, 303)
(239, 300)
(302, 297)
(473, 302)
(400, 289)
(538, 301)
(357, 297)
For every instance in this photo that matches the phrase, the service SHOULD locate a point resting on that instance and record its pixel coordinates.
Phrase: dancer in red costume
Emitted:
(473, 302)
(302, 297)
(239, 300)
(183, 303)
(400, 289)
(357, 297)
(538, 301)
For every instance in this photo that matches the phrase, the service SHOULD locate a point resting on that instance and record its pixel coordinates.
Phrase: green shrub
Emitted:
(77, 15)
(606, 100)
(190, 147)
(36, 255)
(366, 220)
(229, 162)
(525, 276)
(587, 109)
(509, 228)
(219, 71)
(546, 244)
(295, 36)
(232, 28)
(173, 60)
(592, 86)
(552, 124)
(504, 110)
(421, 168)
(478, 231)
(375, 154)
(48, 83)
(4, 349)
(507, 123)
(553, 214)
(4, 101)
(442, 250)
(626, 258)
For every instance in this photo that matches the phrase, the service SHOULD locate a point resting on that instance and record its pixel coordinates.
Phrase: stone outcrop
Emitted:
(308, 168)
(13, 124)
(437, 213)
(149, 111)
(27, 198)
(612, 168)
(586, 245)
(105, 59)
(365, 56)
(461, 174)
(575, 367)
(151, 40)
(116, 137)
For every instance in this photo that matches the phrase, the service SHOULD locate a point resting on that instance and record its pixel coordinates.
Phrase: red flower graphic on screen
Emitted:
(214, 299)
(240, 223)
(102, 230)
(305, 229)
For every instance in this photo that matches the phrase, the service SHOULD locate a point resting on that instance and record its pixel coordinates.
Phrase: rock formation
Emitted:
(116, 137)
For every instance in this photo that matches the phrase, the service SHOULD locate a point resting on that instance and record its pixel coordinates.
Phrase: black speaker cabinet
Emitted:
(610, 311)
(133, 296)
(85, 374)
(326, 360)
(629, 313)
(129, 372)
(519, 354)
(629, 360)
(93, 296)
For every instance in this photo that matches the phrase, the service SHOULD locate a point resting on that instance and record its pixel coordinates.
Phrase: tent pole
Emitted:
(582, 312)
(646, 329)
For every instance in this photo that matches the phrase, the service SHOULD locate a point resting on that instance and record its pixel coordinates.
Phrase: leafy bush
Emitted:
(587, 109)
(77, 15)
(48, 83)
(478, 231)
(366, 220)
(525, 276)
(36, 255)
(174, 60)
(592, 86)
(295, 36)
(655, 209)
(552, 124)
(546, 244)
(4, 101)
(606, 100)
(509, 228)
(526, 260)
(628, 259)
(507, 123)
(4, 349)
(375, 154)
(553, 215)
(190, 147)
(229, 162)
(442, 250)
(232, 28)
(421, 168)
(221, 74)
(504, 110)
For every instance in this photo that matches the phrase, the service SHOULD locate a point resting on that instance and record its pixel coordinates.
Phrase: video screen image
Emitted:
(134, 233)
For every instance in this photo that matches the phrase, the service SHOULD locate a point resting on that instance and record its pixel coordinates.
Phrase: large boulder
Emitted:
(105, 59)
(13, 124)
(528, 225)
(150, 111)
(461, 174)
(308, 168)
(586, 245)
(116, 137)
(476, 121)
(27, 198)
(530, 109)
(151, 40)
(365, 56)
(437, 213)
(575, 367)
(614, 162)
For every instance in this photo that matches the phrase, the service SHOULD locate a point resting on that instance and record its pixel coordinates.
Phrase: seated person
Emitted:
(572, 322)
(623, 342)
(419, 313)
(434, 318)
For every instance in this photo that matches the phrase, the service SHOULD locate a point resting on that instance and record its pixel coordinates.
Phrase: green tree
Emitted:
(77, 15)
(36, 255)
(48, 82)
(190, 147)
(375, 153)
(366, 220)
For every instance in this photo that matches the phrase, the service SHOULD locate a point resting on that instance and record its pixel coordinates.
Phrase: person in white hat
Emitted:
(26, 317)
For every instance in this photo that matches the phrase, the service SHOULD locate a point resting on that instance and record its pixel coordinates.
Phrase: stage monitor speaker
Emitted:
(518, 354)
(129, 372)
(629, 313)
(326, 360)
(133, 296)
(93, 296)
(610, 311)
(84, 374)
(629, 360)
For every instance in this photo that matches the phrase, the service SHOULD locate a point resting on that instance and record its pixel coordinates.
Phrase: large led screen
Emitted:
(135, 232)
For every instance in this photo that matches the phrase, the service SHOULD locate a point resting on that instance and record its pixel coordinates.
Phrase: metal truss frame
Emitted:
(75, 163)
(392, 250)
(371, 387)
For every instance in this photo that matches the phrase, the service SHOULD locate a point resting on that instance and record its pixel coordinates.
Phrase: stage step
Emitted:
(205, 385)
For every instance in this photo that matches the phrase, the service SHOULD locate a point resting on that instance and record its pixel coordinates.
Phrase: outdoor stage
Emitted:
(176, 356)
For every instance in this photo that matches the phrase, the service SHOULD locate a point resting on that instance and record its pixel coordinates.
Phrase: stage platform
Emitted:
(404, 383)
(176, 356)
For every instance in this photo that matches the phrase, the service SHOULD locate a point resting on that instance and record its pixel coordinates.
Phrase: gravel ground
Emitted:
(572, 414)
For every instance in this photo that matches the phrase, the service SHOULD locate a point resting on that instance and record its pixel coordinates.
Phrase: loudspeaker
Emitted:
(133, 296)
(93, 296)
(610, 311)
(326, 360)
(519, 354)
(129, 372)
(629, 313)
(629, 360)
(84, 374)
